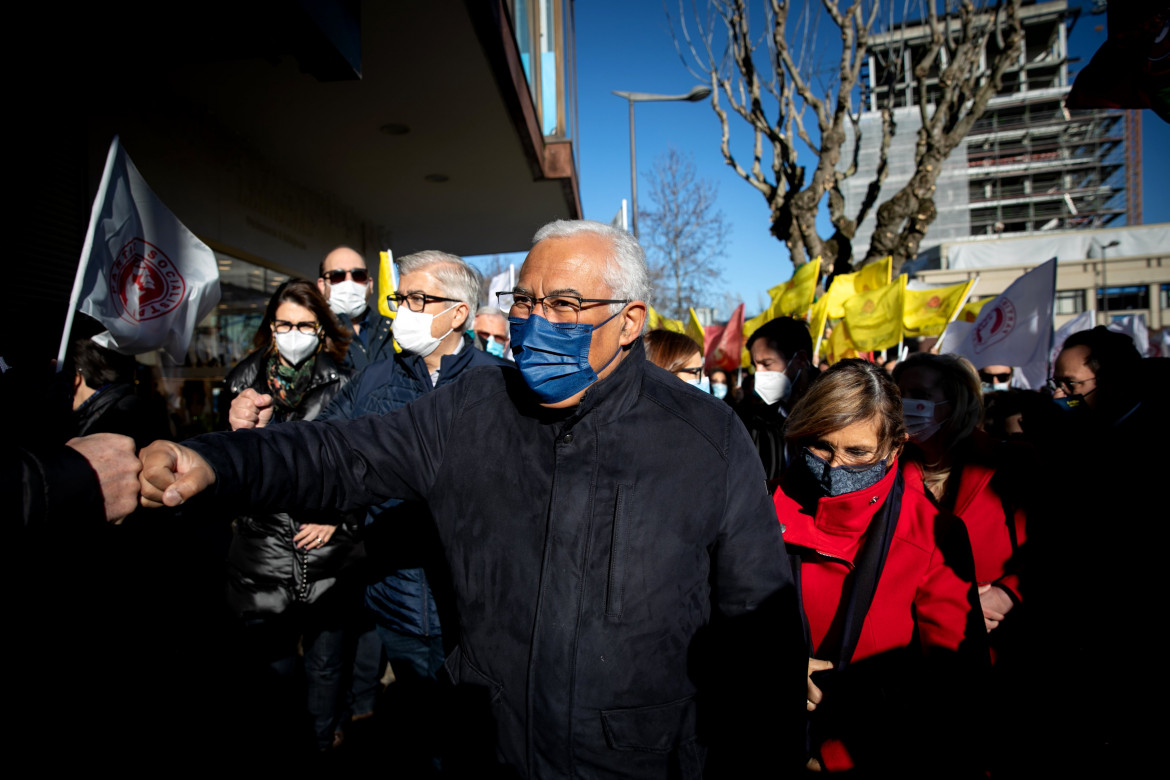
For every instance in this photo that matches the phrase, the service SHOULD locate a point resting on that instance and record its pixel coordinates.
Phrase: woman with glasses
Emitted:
(678, 354)
(286, 573)
(883, 580)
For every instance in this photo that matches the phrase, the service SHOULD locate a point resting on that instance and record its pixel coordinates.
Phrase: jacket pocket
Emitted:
(463, 672)
(657, 728)
(618, 552)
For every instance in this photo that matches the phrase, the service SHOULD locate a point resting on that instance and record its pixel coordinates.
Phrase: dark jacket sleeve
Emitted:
(54, 489)
(344, 465)
(342, 405)
(760, 661)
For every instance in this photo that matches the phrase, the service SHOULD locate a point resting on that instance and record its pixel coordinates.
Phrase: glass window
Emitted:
(1123, 298)
(1070, 301)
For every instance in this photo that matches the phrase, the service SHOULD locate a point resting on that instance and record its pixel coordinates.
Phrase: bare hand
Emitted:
(250, 409)
(814, 693)
(996, 604)
(172, 474)
(117, 466)
(313, 536)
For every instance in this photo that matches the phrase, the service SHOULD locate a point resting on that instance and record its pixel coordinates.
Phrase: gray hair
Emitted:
(491, 311)
(458, 279)
(625, 267)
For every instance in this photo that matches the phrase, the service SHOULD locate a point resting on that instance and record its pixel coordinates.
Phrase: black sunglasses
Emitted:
(337, 275)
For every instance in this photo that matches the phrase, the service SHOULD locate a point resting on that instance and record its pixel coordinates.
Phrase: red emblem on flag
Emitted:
(145, 283)
(995, 324)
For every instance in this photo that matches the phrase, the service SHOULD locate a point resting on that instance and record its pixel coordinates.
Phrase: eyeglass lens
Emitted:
(337, 276)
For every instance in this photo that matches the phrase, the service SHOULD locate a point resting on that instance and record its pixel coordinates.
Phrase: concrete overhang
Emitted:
(415, 117)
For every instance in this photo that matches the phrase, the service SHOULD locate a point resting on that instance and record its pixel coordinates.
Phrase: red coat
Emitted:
(918, 590)
(981, 507)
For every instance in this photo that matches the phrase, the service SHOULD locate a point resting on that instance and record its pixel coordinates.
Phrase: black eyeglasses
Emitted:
(696, 372)
(1067, 385)
(561, 310)
(337, 275)
(995, 377)
(416, 301)
(284, 326)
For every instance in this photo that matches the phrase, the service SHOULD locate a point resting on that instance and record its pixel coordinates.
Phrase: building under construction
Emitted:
(1028, 164)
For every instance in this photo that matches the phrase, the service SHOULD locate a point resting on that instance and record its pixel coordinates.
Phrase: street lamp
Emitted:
(1104, 285)
(697, 93)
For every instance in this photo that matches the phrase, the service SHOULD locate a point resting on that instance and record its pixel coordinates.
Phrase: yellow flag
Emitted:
(875, 317)
(658, 322)
(694, 329)
(386, 288)
(970, 312)
(927, 312)
(873, 276)
(845, 286)
(385, 284)
(839, 346)
(797, 293)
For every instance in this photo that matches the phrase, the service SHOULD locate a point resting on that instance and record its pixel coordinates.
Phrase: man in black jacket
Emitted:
(624, 595)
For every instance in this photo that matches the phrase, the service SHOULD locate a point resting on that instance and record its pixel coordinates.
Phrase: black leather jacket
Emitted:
(266, 573)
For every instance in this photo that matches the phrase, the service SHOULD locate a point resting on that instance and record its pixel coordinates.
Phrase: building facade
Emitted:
(1029, 165)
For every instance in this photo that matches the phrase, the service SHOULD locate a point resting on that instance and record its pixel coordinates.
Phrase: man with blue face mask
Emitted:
(491, 331)
(614, 620)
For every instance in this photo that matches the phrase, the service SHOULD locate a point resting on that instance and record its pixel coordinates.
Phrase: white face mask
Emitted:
(919, 417)
(412, 331)
(296, 347)
(773, 386)
(348, 298)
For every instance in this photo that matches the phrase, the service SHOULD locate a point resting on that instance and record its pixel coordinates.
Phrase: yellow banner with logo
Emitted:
(875, 317)
(927, 312)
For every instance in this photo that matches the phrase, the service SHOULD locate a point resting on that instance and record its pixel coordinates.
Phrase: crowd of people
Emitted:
(543, 543)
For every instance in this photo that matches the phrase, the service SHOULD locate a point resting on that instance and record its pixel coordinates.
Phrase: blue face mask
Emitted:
(719, 390)
(839, 480)
(703, 384)
(554, 361)
(493, 347)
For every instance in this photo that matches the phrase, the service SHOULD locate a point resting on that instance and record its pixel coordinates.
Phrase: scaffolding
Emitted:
(1028, 165)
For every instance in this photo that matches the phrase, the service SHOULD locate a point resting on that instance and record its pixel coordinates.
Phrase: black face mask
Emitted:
(825, 480)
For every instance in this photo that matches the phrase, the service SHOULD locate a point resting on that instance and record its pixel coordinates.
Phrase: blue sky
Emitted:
(627, 46)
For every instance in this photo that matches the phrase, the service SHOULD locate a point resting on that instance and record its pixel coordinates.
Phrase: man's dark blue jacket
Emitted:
(403, 600)
(623, 591)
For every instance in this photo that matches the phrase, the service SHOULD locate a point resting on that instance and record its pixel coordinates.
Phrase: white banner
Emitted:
(142, 274)
(1015, 329)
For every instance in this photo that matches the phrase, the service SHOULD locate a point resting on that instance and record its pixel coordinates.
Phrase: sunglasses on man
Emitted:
(337, 275)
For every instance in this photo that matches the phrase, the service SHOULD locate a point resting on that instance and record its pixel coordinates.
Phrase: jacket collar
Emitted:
(608, 399)
(838, 528)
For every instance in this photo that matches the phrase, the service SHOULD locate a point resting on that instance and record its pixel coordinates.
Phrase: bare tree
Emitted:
(958, 46)
(770, 80)
(684, 234)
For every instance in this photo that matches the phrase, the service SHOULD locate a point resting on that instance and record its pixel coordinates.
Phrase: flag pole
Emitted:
(955, 313)
(83, 262)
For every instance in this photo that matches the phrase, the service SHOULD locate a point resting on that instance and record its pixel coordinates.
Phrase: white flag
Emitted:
(1083, 321)
(1015, 329)
(142, 274)
(1134, 326)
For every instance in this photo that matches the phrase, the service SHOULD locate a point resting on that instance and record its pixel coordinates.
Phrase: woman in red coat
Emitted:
(885, 583)
(960, 467)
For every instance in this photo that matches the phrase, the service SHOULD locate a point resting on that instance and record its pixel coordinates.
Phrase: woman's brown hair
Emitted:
(961, 387)
(669, 350)
(850, 391)
(304, 293)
